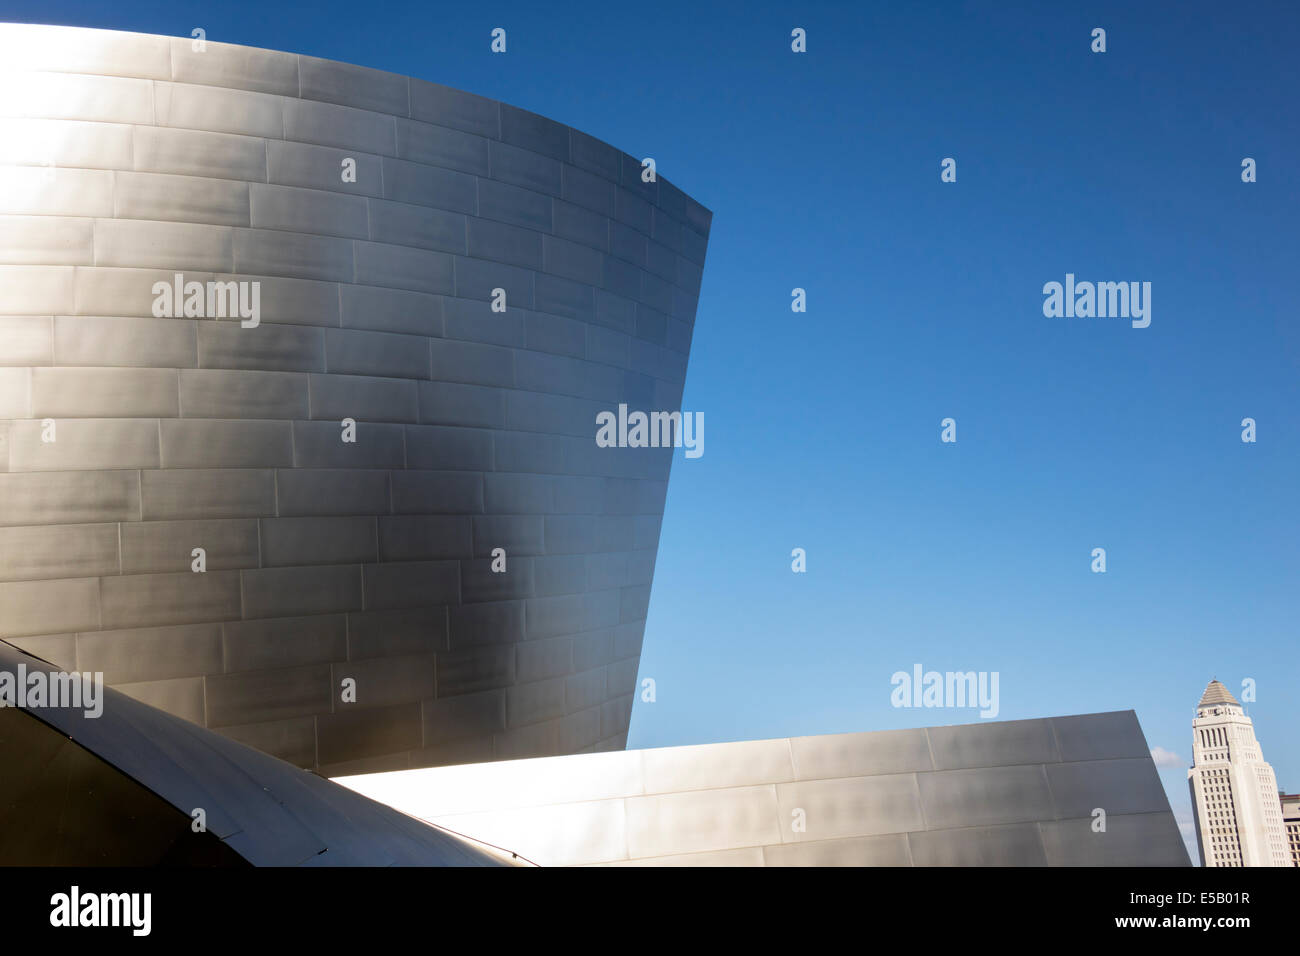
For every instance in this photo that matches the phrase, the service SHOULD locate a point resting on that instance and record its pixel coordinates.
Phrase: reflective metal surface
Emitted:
(867, 799)
(125, 159)
(123, 788)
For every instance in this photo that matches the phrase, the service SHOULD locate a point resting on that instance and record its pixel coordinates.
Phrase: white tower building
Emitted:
(1234, 791)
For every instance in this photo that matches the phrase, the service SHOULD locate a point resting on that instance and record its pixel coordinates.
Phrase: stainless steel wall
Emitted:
(1010, 793)
(125, 159)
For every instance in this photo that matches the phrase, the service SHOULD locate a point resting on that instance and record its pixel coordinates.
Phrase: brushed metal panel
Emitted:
(983, 797)
(106, 53)
(350, 85)
(405, 224)
(888, 849)
(596, 156)
(62, 551)
(36, 289)
(1016, 845)
(313, 211)
(472, 669)
(533, 702)
(335, 397)
(430, 186)
(287, 592)
(163, 245)
(189, 152)
(15, 389)
(526, 168)
(293, 254)
(327, 492)
(614, 718)
(94, 340)
(513, 204)
(478, 278)
(588, 191)
(320, 445)
(472, 363)
(853, 755)
(257, 696)
(578, 730)
(120, 292)
(581, 225)
(401, 632)
(104, 99)
(1117, 786)
(435, 492)
(534, 132)
(84, 445)
(145, 600)
(402, 267)
(218, 110)
(532, 740)
(294, 301)
(325, 124)
(385, 681)
(445, 106)
(182, 696)
(411, 584)
(500, 242)
(850, 806)
(321, 167)
(440, 146)
(160, 196)
(469, 714)
(1100, 736)
(200, 493)
(104, 392)
(230, 393)
(305, 541)
(236, 67)
(385, 354)
(423, 537)
(69, 498)
(63, 143)
(1150, 839)
(993, 744)
(390, 310)
(228, 345)
(43, 607)
(354, 734)
(717, 766)
(168, 545)
(29, 340)
(32, 240)
(283, 642)
(292, 740)
(220, 443)
(150, 654)
(700, 821)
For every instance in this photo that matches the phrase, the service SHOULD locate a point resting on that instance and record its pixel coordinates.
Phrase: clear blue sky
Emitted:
(924, 299)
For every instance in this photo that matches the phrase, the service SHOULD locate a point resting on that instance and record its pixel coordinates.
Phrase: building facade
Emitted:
(1291, 822)
(1234, 791)
(300, 364)
(1059, 791)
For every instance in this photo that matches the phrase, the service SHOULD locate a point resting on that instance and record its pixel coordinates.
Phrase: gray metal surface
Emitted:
(127, 158)
(268, 811)
(1012, 793)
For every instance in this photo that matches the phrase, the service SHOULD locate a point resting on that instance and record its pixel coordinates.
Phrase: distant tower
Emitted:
(1291, 820)
(1234, 792)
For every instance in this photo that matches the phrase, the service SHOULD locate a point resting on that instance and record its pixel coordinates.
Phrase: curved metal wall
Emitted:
(126, 159)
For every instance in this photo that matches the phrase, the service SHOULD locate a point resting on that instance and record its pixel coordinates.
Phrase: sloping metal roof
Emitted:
(268, 811)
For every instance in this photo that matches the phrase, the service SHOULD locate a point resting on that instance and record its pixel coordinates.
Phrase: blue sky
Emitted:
(924, 302)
